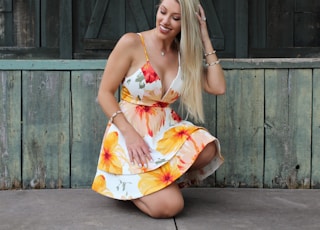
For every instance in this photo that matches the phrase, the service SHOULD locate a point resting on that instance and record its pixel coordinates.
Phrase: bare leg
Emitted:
(204, 158)
(165, 203)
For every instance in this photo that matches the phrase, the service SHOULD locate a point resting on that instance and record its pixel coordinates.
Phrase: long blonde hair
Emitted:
(191, 49)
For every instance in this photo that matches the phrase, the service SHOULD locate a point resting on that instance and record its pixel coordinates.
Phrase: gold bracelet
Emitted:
(213, 63)
(114, 115)
(207, 54)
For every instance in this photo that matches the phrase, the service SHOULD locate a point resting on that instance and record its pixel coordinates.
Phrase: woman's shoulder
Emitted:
(129, 40)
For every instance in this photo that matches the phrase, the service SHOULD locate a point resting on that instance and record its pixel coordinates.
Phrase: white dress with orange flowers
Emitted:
(174, 143)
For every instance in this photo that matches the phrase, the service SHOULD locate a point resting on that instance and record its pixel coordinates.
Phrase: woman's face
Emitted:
(168, 22)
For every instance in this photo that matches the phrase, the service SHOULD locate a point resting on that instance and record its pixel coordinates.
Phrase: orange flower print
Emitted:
(110, 153)
(149, 74)
(147, 119)
(175, 116)
(100, 185)
(155, 180)
(174, 138)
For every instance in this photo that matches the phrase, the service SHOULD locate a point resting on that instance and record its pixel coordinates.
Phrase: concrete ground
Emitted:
(205, 209)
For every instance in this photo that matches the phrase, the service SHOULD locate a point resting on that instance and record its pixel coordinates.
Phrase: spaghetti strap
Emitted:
(144, 47)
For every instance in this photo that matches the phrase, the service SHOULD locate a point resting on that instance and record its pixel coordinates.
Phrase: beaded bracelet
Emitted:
(213, 63)
(114, 115)
(207, 54)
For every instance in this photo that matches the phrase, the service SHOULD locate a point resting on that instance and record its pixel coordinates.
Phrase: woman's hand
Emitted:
(203, 23)
(138, 149)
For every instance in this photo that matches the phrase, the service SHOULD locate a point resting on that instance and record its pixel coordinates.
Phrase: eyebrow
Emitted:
(162, 6)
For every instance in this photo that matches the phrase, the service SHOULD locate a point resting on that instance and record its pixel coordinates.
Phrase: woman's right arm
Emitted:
(118, 64)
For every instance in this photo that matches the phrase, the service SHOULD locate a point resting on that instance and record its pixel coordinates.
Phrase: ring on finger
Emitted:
(204, 19)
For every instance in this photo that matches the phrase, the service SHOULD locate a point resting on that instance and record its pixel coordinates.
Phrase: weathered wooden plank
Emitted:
(97, 18)
(240, 129)
(139, 16)
(27, 28)
(288, 128)
(114, 25)
(242, 29)
(99, 64)
(214, 25)
(10, 130)
(210, 111)
(257, 24)
(46, 124)
(66, 29)
(315, 183)
(88, 126)
(50, 24)
(52, 64)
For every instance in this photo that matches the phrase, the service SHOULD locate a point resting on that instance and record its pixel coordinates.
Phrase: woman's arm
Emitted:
(214, 82)
(118, 65)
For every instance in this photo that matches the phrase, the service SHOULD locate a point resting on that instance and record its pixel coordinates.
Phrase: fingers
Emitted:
(201, 15)
(140, 156)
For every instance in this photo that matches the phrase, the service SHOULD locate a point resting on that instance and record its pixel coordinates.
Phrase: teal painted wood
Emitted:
(66, 38)
(242, 28)
(214, 25)
(88, 126)
(46, 125)
(288, 128)
(97, 19)
(99, 64)
(210, 111)
(240, 129)
(52, 64)
(139, 15)
(10, 130)
(315, 182)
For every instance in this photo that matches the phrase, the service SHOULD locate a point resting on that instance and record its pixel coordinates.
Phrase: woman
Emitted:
(148, 152)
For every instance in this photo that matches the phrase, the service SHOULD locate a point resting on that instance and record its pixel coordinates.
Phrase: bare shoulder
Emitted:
(128, 41)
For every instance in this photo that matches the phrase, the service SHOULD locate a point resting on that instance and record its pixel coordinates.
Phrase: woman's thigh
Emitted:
(165, 203)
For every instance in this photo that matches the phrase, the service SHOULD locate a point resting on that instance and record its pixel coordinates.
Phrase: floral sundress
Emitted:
(174, 143)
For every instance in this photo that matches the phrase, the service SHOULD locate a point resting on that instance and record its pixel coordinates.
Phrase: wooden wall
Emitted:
(268, 123)
(88, 29)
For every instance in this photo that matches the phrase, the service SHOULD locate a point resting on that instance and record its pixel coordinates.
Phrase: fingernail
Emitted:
(140, 165)
(145, 165)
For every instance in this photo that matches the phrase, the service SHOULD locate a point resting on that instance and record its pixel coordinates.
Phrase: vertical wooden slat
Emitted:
(242, 29)
(257, 24)
(10, 130)
(288, 128)
(46, 107)
(316, 130)
(210, 111)
(66, 29)
(240, 129)
(88, 125)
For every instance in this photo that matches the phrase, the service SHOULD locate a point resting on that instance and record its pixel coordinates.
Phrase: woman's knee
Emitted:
(167, 208)
(165, 203)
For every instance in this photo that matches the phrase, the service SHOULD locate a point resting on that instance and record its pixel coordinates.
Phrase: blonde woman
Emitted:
(148, 152)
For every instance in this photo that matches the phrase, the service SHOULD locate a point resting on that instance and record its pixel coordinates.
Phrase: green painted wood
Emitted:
(257, 24)
(210, 111)
(240, 129)
(315, 183)
(139, 15)
(46, 125)
(114, 24)
(88, 126)
(10, 130)
(242, 28)
(97, 18)
(52, 64)
(66, 29)
(288, 128)
(99, 64)
(214, 25)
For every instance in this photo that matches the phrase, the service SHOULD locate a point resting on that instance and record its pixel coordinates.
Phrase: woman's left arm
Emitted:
(214, 82)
